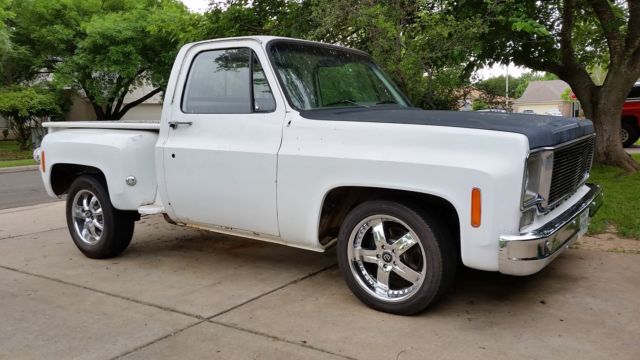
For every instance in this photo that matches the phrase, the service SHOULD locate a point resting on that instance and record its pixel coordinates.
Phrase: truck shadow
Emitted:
(204, 251)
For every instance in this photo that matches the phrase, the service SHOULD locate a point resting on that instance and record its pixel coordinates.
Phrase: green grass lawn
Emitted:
(10, 155)
(12, 163)
(9, 151)
(621, 208)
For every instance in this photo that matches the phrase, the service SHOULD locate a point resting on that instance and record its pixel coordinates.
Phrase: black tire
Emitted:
(437, 245)
(118, 225)
(632, 133)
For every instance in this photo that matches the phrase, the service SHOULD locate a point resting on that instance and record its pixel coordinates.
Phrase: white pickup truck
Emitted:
(311, 145)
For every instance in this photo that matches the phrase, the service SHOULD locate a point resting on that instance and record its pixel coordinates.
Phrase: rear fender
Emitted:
(117, 154)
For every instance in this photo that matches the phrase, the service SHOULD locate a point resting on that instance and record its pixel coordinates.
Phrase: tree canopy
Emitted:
(568, 38)
(22, 105)
(103, 48)
(5, 41)
(106, 48)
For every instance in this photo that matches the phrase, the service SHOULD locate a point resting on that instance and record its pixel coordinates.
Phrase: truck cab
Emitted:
(311, 145)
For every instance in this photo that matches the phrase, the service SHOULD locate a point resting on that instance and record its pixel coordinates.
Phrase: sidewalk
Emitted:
(181, 293)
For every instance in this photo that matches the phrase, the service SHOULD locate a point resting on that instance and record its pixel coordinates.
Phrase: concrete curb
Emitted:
(18, 169)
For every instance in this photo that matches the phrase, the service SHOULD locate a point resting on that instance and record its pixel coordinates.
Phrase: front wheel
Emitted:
(395, 259)
(629, 134)
(98, 229)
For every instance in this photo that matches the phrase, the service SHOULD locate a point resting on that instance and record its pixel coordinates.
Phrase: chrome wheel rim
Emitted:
(624, 134)
(88, 220)
(386, 258)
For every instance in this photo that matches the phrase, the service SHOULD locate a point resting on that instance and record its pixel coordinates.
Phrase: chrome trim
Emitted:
(530, 252)
(37, 154)
(546, 174)
(544, 181)
(87, 217)
(174, 124)
(564, 144)
(404, 256)
(543, 206)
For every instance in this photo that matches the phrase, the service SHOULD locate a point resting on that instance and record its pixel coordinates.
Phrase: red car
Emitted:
(631, 117)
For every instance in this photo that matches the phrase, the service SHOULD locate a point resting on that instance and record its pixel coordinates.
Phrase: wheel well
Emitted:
(339, 201)
(630, 119)
(63, 175)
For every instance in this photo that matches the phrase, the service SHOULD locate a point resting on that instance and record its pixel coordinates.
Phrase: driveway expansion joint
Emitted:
(277, 338)
(166, 336)
(201, 319)
(295, 281)
(33, 233)
(164, 308)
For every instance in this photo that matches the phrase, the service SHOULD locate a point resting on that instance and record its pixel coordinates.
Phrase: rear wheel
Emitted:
(629, 134)
(98, 229)
(395, 259)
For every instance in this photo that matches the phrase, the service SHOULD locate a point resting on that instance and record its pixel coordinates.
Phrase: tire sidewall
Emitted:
(632, 131)
(99, 190)
(428, 235)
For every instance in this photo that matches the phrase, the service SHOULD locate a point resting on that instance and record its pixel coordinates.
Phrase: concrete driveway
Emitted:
(180, 293)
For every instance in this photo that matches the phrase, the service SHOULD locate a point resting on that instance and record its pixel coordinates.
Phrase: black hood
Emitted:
(541, 130)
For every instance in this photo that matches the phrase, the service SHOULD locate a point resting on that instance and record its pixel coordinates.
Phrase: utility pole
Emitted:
(507, 88)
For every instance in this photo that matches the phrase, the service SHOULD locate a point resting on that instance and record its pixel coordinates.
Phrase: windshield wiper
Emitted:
(386, 102)
(345, 101)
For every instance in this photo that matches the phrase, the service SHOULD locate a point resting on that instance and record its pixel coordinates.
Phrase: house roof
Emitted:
(543, 91)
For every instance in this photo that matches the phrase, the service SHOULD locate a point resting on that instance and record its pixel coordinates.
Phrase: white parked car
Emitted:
(553, 112)
(311, 145)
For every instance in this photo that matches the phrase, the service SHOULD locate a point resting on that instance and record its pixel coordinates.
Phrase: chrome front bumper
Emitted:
(528, 253)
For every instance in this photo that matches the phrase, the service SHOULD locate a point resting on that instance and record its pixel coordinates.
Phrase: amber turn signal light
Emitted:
(476, 207)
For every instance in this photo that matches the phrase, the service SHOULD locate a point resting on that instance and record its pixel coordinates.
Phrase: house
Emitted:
(151, 109)
(545, 97)
(468, 95)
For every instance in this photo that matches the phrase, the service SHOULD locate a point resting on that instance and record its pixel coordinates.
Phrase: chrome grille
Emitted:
(571, 165)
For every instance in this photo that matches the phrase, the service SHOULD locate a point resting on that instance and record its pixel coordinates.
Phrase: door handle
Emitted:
(174, 124)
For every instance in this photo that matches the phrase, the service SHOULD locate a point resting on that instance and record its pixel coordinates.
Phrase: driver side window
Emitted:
(229, 81)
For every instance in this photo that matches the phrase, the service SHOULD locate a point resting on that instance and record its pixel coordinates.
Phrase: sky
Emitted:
(497, 70)
(485, 73)
(197, 5)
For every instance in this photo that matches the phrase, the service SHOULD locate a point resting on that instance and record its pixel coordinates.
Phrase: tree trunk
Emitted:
(604, 109)
(21, 131)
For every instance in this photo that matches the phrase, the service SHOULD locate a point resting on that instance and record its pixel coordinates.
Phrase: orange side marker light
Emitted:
(476, 207)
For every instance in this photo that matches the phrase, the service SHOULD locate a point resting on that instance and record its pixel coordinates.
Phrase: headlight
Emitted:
(537, 179)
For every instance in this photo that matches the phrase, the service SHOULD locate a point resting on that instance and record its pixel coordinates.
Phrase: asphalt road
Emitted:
(22, 188)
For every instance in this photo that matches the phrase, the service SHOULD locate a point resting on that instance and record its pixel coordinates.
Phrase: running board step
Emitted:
(151, 209)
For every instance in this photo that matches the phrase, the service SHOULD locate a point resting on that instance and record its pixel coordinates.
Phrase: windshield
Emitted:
(321, 77)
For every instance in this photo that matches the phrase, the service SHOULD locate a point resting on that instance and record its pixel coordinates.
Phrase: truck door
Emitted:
(220, 152)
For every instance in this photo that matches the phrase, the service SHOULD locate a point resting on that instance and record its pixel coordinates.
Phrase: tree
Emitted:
(258, 17)
(5, 41)
(566, 38)
(4, 30)
(418, 45)
(494, 91)
(479, 104)
(24, 106)
(102, 48)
